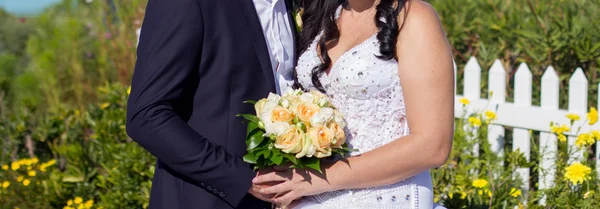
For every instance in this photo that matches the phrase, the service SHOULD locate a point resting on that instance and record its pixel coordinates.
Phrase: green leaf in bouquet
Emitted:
(292, 158)
(313, 163)
(255, 139)
(252, 127)
(250, 101)
(266, 153)
(250, 117)
(277, 158)
(250, 158)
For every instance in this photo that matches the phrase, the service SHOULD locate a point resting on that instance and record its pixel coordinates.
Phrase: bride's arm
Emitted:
(426, 73)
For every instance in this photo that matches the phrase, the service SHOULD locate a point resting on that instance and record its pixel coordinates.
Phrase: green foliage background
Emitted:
(64, 77)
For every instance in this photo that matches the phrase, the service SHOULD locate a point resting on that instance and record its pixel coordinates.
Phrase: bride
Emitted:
(387, 66)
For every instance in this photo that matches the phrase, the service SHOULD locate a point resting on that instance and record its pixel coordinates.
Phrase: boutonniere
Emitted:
(297, 14)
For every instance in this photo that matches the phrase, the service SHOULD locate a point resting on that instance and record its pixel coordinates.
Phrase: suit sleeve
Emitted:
(169, 51)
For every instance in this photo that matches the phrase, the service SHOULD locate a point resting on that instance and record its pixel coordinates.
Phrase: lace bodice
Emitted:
(366, 90)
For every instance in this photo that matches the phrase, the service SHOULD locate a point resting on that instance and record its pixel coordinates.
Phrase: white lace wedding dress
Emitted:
(367, 91)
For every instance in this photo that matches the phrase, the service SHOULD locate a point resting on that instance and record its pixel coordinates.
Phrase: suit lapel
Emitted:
(258, 39)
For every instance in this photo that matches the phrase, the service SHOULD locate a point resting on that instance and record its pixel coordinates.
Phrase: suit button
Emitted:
(209, 188)
(215, 191)
(222, 194)
(202, 184)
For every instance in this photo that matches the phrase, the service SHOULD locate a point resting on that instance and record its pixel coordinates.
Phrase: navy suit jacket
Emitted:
(197, 62)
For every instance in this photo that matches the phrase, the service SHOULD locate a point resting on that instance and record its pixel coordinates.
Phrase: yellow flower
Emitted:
(577, 173)
(81, 206)
(89, 203)
(464, 101)
(298, 20)
(556, 129)
(15, 165)
(592, 116)
(480, 192)
(67, 207)
(463, 195)
(588, 194)
(584, 140)
(70, 202)
(47, 164)
(78, 200)
(515, 192)
(595, 134)
(489, 193)
(573, 117)
(562, 138)
(129, 90)
(26, 182)
(20, 178)
(480, 183)
(5, 184)
(104, 106)
(31, 173)
(474, 121)
(490, 116)
(5, 167)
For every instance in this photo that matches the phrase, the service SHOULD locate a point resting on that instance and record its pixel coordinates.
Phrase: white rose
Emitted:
(285, 103)
(308, 98)
(339, 119)
(267, 107)
(275, 129)
(274, 98)
(323, 117)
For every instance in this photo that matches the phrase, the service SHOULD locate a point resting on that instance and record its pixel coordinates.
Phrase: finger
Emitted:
(269, 177)
(286, 199)
(277, 189)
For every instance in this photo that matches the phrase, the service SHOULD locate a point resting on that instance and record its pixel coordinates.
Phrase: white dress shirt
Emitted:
(276, 27)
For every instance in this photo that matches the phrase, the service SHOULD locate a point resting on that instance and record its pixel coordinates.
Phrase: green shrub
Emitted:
(95, 160)
(541, 33)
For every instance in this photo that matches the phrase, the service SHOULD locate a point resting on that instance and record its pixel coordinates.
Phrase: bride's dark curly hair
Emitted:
(319, 15)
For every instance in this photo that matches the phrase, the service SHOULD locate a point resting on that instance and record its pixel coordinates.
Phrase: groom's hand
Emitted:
(255, 191)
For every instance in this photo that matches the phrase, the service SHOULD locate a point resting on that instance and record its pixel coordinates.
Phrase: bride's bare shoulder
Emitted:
(418, 17)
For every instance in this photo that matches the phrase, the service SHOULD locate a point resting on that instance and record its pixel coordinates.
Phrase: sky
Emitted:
(26, 7)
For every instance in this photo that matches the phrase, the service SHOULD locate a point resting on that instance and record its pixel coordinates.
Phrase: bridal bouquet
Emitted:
(298, 128)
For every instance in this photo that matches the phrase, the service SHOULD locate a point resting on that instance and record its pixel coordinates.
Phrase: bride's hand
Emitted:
(295, 183)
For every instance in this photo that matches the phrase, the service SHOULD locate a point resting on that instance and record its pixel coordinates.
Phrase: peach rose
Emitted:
(305, 111)
(322, 138)
(338, 134)
(290, 141)
(281, 114)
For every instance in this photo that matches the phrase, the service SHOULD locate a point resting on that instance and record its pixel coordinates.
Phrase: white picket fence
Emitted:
(523, 116)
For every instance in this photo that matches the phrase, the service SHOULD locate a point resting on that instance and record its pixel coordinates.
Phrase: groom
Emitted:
(198, 61)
